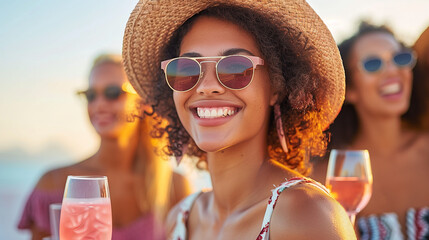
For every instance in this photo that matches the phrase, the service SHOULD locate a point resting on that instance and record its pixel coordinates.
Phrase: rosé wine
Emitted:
(352, 193)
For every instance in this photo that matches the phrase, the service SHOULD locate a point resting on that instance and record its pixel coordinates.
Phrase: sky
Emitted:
(47, 46)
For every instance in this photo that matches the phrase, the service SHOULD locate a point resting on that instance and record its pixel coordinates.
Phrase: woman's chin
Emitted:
(108, 133)
(211, 147)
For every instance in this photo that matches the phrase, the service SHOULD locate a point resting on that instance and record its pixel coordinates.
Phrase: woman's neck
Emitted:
(117, 153)
(239, 174)
(380, 135)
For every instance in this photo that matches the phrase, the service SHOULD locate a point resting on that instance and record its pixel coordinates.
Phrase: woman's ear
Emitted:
(273, 99)
(351, 95)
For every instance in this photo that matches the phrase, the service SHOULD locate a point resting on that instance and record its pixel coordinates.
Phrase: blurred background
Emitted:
(46, 50)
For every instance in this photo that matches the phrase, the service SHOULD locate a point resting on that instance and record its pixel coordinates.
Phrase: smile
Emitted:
(389, 89)
(216, 112)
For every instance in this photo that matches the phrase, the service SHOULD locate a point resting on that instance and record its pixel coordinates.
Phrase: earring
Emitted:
(279, 126)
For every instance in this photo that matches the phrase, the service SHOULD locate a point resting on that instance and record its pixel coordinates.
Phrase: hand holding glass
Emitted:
(349, 179)
(86, 211)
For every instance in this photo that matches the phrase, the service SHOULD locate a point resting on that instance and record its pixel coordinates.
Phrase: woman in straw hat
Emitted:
(384, 114)
(247, 87)
(142, 186)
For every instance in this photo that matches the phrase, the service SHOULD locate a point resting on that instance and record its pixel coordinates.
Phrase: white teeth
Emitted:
(215, 112)
(391, 89)
(206, 113)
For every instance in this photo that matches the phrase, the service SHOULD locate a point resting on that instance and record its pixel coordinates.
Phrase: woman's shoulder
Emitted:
(415, 146)
(305, 211)
(422, 149)
(52, 179)
(55, 179)
(424, 136)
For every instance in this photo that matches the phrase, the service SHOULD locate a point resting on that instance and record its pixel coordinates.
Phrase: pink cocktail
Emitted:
(86, 219)
(86, 211)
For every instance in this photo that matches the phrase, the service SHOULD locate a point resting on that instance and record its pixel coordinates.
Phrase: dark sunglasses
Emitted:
(402, 59)
(110, 93)
(233, 72)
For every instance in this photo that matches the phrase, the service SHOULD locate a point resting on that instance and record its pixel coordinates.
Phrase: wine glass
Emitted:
(349, 179)
(86, 211)
(54, 220)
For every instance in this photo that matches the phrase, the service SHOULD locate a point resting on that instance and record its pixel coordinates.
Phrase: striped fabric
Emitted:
(386, 226)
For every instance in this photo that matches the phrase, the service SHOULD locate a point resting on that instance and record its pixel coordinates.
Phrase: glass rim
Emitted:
(55, 206)
(346, 150)
(87, 177)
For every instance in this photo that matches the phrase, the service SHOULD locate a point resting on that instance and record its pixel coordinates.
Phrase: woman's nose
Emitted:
(209, 83)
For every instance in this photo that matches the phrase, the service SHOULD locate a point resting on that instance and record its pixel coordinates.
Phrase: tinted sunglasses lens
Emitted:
(182, 74)
(90, 95)
(403, 59)
(372, 64)
(235, 72)
(112, 92)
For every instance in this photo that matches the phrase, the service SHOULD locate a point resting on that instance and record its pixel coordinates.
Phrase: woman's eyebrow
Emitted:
(234, 51)
(191, 54)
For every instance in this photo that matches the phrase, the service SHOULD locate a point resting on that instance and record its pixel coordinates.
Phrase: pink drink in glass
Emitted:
(352, 193)
(86, 218)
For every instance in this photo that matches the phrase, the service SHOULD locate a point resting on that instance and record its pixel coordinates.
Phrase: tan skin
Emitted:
(114, 158)
(241, 172)
(399, 156)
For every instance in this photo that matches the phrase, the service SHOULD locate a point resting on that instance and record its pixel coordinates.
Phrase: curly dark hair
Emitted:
(417, 116)
(345, 127)
(290, 73)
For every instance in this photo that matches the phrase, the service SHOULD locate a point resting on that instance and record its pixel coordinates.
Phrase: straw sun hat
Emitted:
(152, 24)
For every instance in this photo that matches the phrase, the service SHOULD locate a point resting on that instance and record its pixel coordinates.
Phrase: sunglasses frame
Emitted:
(123, 89)
(253, 59)
(383, 61)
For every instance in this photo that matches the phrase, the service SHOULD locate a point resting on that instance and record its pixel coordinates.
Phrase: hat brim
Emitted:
(152, 24)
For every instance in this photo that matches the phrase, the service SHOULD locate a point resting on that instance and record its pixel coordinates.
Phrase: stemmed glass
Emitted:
(86, 211)
(349, 179)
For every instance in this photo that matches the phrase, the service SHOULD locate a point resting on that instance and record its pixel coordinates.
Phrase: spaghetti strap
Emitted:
(265, 228)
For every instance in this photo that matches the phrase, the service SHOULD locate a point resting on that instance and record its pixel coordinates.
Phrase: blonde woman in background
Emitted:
(142, 186)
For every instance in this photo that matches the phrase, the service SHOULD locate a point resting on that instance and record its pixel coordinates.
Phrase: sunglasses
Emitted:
(233, 72)
(401, 59)
(110, 93)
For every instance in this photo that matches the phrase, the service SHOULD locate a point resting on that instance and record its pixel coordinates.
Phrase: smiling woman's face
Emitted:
(385, 92)
(109, 117)
(247, 109)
